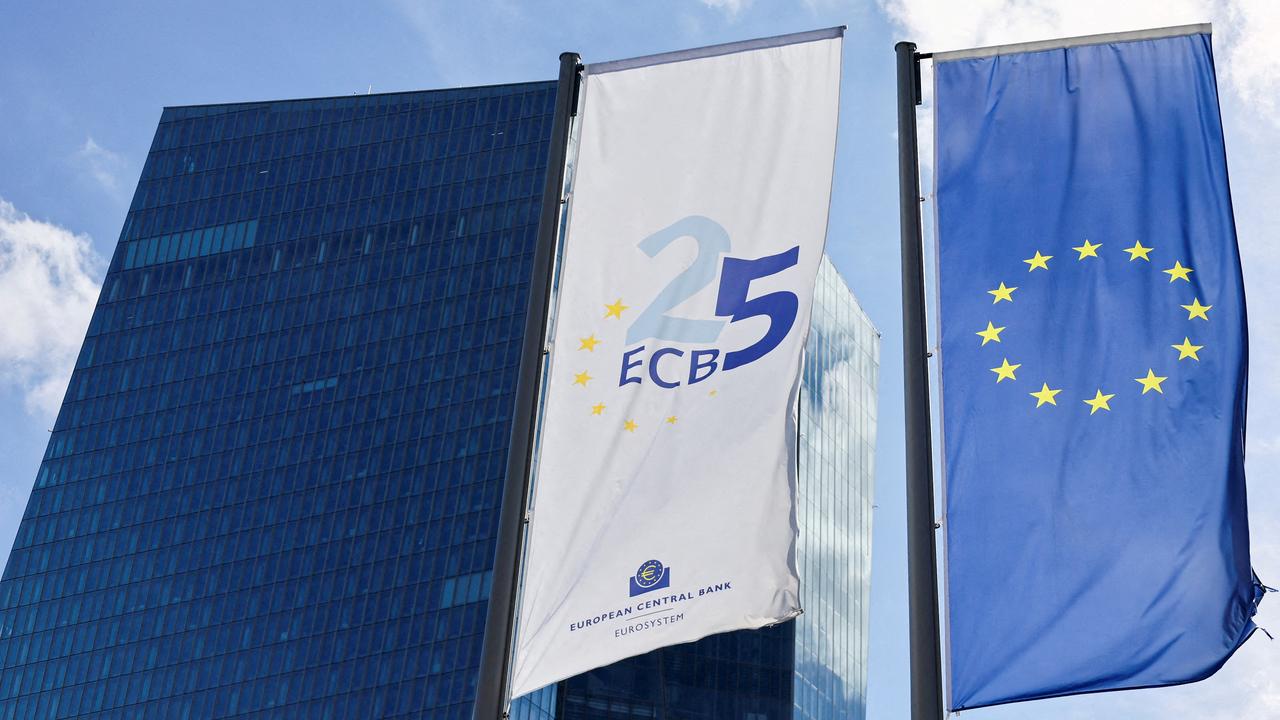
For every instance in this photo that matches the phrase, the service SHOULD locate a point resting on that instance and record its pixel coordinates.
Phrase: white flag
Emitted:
(663, 501)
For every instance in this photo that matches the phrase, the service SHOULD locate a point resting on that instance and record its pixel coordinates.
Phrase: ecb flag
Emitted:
(662, 501)
(1094, 356)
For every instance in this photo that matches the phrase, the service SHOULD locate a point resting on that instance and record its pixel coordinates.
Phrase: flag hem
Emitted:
(715, 50)
(941, 536)
(1205, 675)
(1064, 43)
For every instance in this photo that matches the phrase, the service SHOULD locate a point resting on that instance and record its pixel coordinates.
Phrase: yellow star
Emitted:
(1151, 382)
(1099, 402)
(597, 409)
(630, 426)
(581, 378)
(1187, 350)
(1039, 261)
(1045, 395)
(671, 420)
(1005, 371)
(991, 333)
(1137, 251)
(589, 343)
(1087, 250)
(615, 310)
(1177, 272)
(1002, 293)
(1196, 310)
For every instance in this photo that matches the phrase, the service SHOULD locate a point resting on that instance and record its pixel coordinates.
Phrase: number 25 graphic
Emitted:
(732, 300)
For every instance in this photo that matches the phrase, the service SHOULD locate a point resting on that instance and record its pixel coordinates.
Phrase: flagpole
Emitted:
(922, 568)
(495, 656)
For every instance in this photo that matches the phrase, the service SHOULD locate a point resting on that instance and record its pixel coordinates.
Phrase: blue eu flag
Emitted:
(1094, 356)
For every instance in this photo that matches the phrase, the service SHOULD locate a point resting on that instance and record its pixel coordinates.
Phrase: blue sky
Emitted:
(82, 85)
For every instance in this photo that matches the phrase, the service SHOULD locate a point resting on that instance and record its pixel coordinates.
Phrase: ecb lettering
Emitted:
(670, 367)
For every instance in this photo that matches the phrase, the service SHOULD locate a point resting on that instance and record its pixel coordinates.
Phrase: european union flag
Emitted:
(1094, 356)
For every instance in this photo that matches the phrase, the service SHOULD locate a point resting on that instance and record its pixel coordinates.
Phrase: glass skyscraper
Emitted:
(834, 499)
(272, 487)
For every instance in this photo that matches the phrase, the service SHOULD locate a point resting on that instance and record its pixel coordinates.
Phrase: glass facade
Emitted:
(814, 668)
(833, 504)
(272, 486)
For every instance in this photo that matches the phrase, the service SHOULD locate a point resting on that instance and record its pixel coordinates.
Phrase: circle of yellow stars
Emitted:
(1101, 400)
(614, 310)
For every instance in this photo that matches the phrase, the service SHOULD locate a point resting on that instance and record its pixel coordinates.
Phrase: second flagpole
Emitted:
(922, 566)
(495, 656)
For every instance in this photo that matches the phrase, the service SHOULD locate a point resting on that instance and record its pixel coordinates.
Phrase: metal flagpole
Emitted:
(495, 657)
(922, 568)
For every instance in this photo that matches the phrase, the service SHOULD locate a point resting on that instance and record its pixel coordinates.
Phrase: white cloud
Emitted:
(936, 25)
(48, 287)
(1244, 30)
(944, 25)
(480, 50)
(1253, 66)
(729, 7)
(103, 165)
